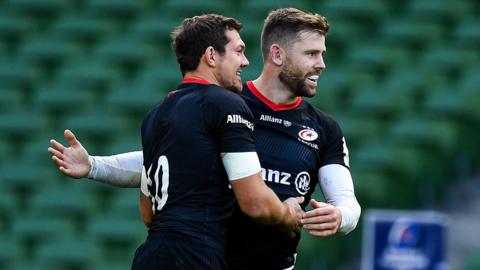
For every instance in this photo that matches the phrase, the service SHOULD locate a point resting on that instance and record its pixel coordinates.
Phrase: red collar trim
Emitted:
(269, 103)
(195, 80)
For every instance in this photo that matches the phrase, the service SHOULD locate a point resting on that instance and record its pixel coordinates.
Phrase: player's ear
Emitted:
(276, 54)
(209, 56)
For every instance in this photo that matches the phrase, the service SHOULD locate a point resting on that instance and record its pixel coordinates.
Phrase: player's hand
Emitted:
(293, 225)
(71, 161)
(323, 220)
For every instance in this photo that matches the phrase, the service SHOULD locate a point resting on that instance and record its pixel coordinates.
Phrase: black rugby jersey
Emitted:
(182, 138)
(292, 141)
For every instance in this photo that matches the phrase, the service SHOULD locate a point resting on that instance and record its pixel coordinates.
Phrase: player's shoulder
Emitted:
(318, 114)
(223, 98)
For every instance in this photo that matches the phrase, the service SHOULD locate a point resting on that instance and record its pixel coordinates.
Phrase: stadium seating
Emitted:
(402, 80)
(83, 28)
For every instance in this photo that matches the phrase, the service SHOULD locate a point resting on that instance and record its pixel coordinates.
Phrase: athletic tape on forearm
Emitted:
(337, 187)
(122, 170)
(240, 165)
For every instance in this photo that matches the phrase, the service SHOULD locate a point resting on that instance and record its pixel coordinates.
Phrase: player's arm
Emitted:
(341, 212)
(122, 170)
(255, 198)
(146, 211)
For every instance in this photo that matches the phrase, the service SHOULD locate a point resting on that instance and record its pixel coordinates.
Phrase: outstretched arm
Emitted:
(122, 170)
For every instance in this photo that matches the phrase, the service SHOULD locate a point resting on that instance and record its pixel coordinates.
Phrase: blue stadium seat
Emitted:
(407, 81)
(22, 265)
(251, 30)
(446, 11)
(119, 262)
(468, 92)
(10, 251)
(159, 77)
(124, 51)
(63, 201)
(38, 228)
(15, 73)
(359, 129)
(436, 134)
(367, 10)
(415, 33)
(21, 124)
(34, 151)
(9, 208)
(116, 8)
(12, 26)
(459, 59)
(186, 8)
(125, 203)
(50, 49)
(11, 99)
(94, 124)
(6, 150)
(155, 29)
(41, 7)
(83, 27)
(68, 253)
(447, 103)
(135, 99)
(260, 9)
(467, 33)
(63, 97)
(377, 101)
(128, 231)
(89, 74)
(379, 58)
(26, 177)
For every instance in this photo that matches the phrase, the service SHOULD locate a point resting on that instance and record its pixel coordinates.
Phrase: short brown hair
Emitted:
(284, 25)
(196, 34)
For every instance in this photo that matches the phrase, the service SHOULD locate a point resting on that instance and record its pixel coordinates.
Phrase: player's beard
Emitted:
(294, 79)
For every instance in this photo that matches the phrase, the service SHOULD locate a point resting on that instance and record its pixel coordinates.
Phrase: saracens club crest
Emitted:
(308, 135)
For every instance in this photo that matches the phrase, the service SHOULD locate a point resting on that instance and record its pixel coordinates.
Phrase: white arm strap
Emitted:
(123, 170)
(240, 165)
(337, 187)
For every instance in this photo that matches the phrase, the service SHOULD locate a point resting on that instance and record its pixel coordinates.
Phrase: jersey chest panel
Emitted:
(288, 144)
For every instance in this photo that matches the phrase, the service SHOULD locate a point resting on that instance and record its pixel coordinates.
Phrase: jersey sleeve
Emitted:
(233, 123)
(335, 149)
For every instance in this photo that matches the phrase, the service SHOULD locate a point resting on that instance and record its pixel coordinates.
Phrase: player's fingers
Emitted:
(59, 162)
(58, 146)
(318, 220)
(55, 153)
(316, 204)
(320, 226)
(300, 199)
(321, 233)
(70, 137)
(317, 212)
(65, 171)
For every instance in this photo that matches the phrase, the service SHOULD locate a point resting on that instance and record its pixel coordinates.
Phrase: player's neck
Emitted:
(273, 89)
(200, 75)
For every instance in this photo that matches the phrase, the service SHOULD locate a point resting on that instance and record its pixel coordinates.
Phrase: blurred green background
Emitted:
(402, 79)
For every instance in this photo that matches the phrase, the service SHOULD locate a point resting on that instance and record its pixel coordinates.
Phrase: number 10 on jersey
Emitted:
(162, 171)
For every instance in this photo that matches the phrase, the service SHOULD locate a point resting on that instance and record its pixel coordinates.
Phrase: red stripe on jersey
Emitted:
(195, 80)
(269, 103)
